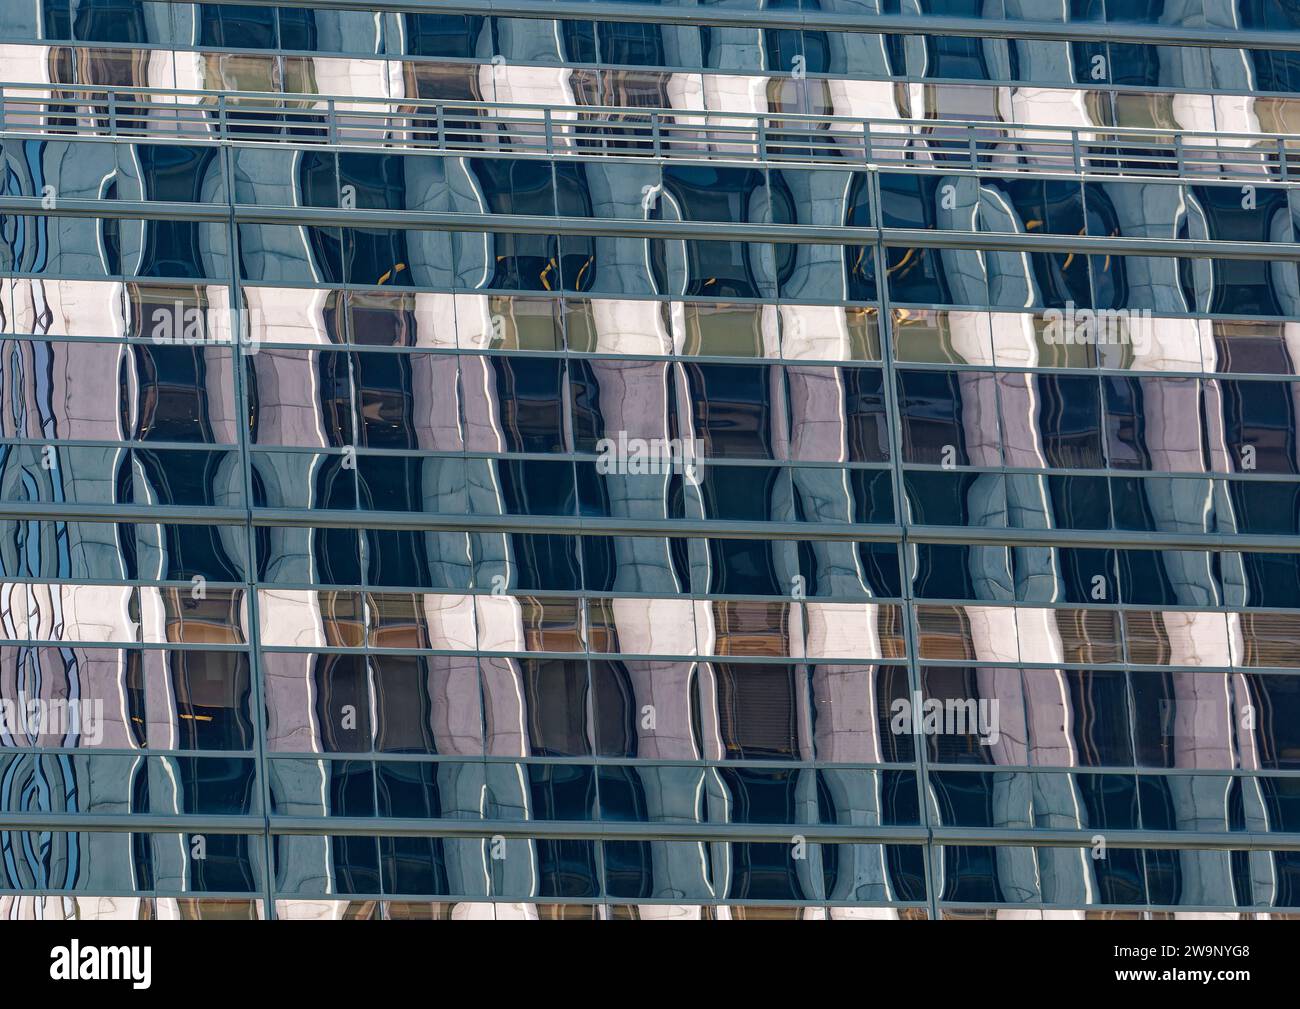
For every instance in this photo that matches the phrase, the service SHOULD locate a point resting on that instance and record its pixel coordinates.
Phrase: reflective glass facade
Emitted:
(808, 459)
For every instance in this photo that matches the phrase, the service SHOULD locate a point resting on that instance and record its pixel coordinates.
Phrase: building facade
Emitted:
(807, 459)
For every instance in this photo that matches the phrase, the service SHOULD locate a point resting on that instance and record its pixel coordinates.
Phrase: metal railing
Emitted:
(629, 132)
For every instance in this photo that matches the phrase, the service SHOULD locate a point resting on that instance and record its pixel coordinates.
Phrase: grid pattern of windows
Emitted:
(426, 512)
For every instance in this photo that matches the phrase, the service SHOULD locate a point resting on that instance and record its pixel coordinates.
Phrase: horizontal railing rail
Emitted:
(940, 145)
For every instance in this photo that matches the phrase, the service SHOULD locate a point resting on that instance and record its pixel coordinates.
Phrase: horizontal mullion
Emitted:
(677, 528)
(666, 230)
(767, 18)
(622, 830)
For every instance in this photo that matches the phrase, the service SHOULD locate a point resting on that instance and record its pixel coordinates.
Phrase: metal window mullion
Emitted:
(256, 672)
(894, 427)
